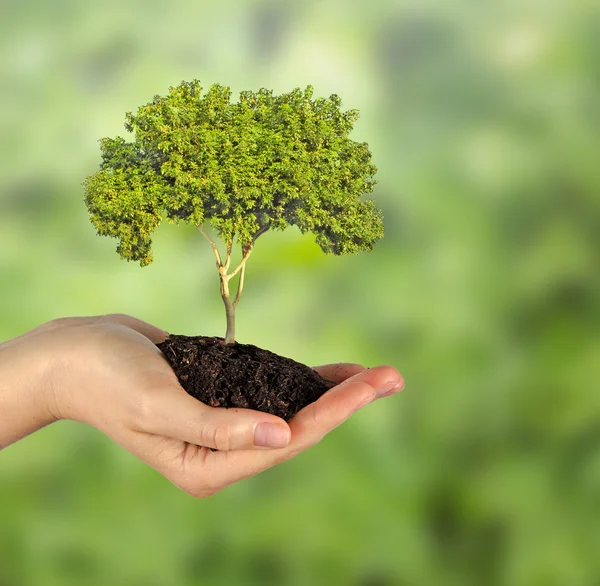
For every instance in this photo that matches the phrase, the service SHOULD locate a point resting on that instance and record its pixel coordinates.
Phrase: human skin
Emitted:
(107, 371)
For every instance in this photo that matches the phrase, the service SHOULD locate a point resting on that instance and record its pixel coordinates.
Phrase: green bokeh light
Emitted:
(484, 123)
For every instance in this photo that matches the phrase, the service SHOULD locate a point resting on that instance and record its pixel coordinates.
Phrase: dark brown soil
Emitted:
(242, 375)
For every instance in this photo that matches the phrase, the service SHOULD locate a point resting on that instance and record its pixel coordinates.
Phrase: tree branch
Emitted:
(240, 286)
(242, 263)
(214, 246)
(260, 232)
(228, 260)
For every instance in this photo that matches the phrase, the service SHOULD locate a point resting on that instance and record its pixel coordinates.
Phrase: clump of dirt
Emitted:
(242, 375)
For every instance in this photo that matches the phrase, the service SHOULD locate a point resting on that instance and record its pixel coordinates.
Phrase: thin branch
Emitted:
(260, 232)
(242, 263)
(228, 261)
(214, 246)
(206, 235)
(240, 286)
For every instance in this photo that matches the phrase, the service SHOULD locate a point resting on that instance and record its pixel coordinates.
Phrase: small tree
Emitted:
(260, 164)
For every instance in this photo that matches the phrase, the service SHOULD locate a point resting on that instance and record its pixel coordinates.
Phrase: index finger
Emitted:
(339, 372)
(151, 332)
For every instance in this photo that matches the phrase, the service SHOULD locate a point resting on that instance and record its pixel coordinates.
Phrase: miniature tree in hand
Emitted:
(243, 168)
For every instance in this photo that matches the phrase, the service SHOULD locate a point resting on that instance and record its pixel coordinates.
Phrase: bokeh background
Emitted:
(484, 121)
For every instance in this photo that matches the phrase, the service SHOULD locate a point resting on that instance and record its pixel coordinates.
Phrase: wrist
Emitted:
(25, 389)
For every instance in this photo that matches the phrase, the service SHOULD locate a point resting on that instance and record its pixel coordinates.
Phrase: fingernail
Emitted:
(271, 435)
(390, 388)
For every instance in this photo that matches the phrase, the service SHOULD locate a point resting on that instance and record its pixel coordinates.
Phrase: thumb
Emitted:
(177, 415)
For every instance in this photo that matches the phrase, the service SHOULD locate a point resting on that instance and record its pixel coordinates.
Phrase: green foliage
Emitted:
(262, 163)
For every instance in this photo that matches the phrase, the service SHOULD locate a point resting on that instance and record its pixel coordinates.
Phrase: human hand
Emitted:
(107, 371)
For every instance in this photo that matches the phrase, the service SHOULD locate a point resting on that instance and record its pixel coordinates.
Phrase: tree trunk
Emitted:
(229, 308)
(224, 277)
(230, 312)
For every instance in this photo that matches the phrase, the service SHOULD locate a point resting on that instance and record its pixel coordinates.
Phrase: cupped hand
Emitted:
(107, 371)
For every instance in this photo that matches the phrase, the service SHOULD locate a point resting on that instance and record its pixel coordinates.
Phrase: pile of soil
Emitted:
(242, 375)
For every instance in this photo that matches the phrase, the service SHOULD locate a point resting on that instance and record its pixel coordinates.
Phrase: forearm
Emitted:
(23, 397)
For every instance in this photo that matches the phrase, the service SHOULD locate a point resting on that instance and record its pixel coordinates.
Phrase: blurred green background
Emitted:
(484, 121)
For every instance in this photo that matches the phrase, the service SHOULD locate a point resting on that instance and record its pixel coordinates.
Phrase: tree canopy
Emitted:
(264, 162)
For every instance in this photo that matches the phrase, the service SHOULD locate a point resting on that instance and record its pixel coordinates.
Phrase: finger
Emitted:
(308, 427)
(189, 467)
(318, 419)
(177, 415)
(339, 372)
(169, 457)
(151, 332)
(384, 379)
